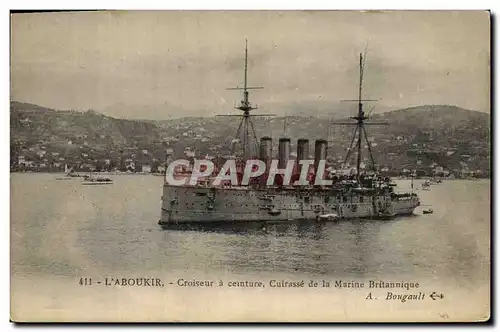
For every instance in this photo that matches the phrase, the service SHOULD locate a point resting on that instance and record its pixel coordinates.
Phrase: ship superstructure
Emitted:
(355, 196)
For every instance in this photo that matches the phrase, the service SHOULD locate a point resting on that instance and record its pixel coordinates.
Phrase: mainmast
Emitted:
(246, 107)
(360, 124)
(361, 115)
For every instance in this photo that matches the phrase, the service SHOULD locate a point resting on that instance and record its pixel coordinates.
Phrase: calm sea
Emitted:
(62, 231)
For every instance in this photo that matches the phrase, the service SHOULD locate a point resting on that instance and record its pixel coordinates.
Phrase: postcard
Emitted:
(250, 166)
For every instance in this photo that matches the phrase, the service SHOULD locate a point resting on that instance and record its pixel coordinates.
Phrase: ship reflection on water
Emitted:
(348, 247)
(299, 228)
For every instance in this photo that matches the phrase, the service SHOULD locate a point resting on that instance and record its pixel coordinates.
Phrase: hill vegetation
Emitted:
(431, 136)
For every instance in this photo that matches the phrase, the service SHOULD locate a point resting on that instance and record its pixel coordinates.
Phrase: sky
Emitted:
(164, 64)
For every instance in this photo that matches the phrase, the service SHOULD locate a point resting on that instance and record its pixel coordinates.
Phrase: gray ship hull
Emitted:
(189, 204)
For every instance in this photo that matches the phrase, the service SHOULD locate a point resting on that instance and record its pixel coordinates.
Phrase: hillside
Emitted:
(448, 136)
(72, 132)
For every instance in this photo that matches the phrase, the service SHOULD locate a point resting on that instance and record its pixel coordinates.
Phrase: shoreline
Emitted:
(159, 174)
(88, 173)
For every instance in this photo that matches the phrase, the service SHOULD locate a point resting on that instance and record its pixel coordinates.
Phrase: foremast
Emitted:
(246, 125)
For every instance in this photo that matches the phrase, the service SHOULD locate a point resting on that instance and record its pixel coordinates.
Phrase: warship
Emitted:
(363, 194)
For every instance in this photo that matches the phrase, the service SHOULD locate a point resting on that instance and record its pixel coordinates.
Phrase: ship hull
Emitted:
(199, 205)
(95, 183)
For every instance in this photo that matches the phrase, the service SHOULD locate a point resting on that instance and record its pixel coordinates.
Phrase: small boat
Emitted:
(426, 185)
(386, 215)
(90, 180)
(428, 211)
(329, 216)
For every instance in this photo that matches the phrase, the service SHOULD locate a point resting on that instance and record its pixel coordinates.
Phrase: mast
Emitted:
(360, 123)
(245, 92)
(246, 124)
(246, 107)
(361, 116)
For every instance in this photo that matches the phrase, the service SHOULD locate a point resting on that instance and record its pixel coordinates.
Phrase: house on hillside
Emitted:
(130, 164)
(27, 164)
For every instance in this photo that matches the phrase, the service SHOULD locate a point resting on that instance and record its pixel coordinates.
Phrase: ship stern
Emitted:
(167, 203)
